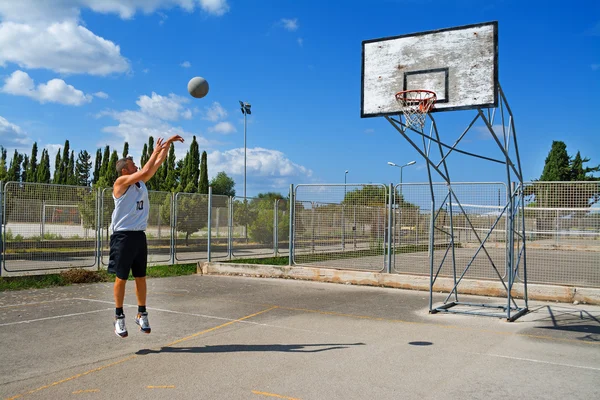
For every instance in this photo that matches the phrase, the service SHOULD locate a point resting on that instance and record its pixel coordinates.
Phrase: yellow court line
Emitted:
(440, 325)
(221, 326)
(134, 356)
(274, 395)
(71, 378)
(86, 391)
(161, 387)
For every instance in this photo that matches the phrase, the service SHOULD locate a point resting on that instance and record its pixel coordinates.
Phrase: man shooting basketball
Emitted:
(128, 247)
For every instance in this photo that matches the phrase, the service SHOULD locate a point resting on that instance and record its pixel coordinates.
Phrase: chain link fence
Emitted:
(340, 226)
(465, 213)
(47, 227)
(562, 224)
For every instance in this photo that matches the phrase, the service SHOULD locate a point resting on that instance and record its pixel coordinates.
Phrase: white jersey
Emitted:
(131, 209)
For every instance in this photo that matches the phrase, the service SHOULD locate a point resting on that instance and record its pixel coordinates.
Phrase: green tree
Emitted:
(223, 185)
(14, 172)
(25, 168)
(3, 169)
(64, 167)
(104, 165)
(125, 149)
(83, 166)
(145, 156)
(111, 172)
(168, 173)
(203, 184)
(557, 167)
(579, 172)
(33, 164)
(97, 166)
(57, 164)
(70, 176)
(43, 171)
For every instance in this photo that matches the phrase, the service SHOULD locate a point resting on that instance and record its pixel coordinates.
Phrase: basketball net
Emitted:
(415, 104)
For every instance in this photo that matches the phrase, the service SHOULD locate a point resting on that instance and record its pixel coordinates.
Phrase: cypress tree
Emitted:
(43, 171)
(3, 169)
(33, 164)
(14, 172)
(125, 149)
(105, 160)
(57, 166)
(97, 166)
(112, 174)
(83, 166)
(25, 168)
(556, 167)
(203, 185)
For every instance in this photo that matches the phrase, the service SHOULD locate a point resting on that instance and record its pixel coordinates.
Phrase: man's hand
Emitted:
(175, 138)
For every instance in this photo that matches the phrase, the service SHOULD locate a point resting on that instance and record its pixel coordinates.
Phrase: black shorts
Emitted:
(128, 251)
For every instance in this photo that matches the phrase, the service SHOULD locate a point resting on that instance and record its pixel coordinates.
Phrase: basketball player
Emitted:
(128, 247)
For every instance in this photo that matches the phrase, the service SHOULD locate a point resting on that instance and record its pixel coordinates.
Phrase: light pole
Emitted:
(245, 107)
(401, 167)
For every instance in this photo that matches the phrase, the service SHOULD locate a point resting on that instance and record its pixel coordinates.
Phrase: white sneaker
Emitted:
(142, 320)
(120, 329)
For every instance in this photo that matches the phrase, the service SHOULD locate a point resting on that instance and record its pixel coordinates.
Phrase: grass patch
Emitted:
(262, 261)
(79, 275)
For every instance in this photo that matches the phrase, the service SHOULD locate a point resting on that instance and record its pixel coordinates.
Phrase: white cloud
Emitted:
(63, 47)
(215, 112)
(12, 136)
(154, 119)
(223, 127)
(595, 67)
(264, 167)
(289, 24)
(369, 131)
(185, 64)
(300, 42)
(52, 10)
(167, 108)
(101, 95)
(49, 34)
(54, 91)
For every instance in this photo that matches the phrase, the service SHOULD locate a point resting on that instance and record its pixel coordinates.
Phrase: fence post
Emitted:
(275, 226)
(291, 236)
(230, 228)
(1, 227)
(390, 248)
(209, 222)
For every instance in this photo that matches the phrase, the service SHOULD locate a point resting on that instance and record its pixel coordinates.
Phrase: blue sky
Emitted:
(100, 72)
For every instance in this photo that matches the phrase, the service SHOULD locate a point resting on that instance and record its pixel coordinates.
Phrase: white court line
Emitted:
(536, 361)
(223, 318)
(36, 303)
(54, 317)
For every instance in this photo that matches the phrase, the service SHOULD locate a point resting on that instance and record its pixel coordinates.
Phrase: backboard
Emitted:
(459, 64)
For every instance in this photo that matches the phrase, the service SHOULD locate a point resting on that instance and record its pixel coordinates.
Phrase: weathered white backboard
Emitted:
(459, 64)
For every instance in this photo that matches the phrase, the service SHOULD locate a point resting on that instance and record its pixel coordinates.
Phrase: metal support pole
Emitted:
(390, 247)
(209, 233)
(275, 224)
(291, 235)
(173, 230)
(2, 266)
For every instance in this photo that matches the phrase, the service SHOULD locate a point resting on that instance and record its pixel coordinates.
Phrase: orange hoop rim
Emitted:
(430, 96)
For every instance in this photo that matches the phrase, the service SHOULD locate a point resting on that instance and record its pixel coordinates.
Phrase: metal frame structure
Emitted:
(513, 209)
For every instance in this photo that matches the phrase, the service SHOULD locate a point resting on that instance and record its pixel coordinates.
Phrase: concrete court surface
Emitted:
(231, 337)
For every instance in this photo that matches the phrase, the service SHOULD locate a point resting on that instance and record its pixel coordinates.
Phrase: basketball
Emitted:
(198, 87)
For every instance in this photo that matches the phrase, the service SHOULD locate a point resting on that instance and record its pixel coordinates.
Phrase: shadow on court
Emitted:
(231, 348)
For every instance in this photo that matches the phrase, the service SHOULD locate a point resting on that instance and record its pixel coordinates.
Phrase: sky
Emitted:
(102, 72)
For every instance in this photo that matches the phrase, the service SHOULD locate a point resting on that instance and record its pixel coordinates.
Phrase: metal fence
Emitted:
(46, 228)
(340, 226)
